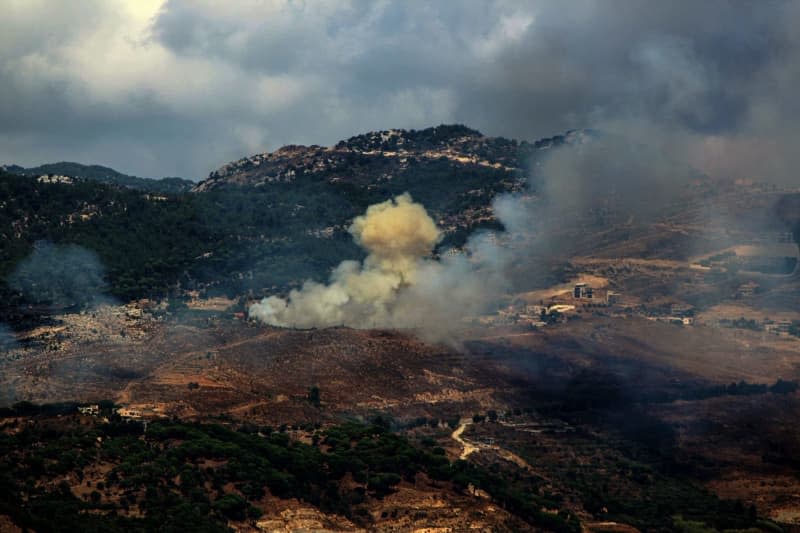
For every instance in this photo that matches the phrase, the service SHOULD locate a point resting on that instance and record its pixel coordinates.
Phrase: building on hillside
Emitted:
(89, 410)
(581, 290)
(133, 414)
(682, 310)
(535, 310)
(747, 290)
(780, 327)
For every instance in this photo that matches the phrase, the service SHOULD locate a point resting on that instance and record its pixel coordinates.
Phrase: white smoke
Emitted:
(399, 284)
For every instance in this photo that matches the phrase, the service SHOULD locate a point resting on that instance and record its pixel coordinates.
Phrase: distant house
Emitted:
(747, 289)
(125, 412)
(783, 326)
(580, 290)
(535, 310)
(612, 297)
(682, 310)
(89, 410)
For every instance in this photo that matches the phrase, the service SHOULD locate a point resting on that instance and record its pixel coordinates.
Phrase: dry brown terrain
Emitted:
(633, 357)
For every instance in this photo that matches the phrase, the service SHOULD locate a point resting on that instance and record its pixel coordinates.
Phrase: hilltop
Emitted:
(389, 155)
(100, 174)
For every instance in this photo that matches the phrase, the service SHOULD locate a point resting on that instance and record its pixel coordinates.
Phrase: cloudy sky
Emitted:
(154, 88)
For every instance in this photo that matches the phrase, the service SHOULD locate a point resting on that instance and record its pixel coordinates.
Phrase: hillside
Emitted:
(636, 373)
(568, 419)
(266, 223)
(383, 156)
(208, 477)
(102, 174)
(271, 220)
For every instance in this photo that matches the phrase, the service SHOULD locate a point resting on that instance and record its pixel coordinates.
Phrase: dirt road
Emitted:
(468, 447)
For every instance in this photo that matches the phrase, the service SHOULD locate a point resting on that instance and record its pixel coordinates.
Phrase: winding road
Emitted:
(468, 447)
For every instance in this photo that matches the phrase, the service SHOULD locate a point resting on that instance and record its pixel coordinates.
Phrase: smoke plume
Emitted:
(60, 275)
(8, 340)
(619, 179)
(398, 285)
(398, 234)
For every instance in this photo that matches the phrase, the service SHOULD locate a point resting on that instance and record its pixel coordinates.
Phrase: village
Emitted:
(581, 300)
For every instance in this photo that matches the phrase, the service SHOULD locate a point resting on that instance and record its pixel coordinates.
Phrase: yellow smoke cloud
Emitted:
(396, 227)
(398, 234)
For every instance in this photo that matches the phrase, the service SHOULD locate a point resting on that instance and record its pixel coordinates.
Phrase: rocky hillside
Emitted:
(379, 156)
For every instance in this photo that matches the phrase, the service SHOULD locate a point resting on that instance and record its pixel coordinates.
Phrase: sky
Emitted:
(178, 88)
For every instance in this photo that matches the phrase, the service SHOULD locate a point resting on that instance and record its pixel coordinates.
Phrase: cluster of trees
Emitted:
(629, 468)
(742, 388)
(741, 323)
(631, 472)
(592, 391)
(162, 471)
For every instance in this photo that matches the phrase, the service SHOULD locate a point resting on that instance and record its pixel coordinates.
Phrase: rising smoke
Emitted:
(398, 285)
(633, 169)
(8, 342)
(398, 236)
(60, 275)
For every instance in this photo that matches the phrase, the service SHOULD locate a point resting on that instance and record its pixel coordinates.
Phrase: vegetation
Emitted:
(182, 476)
(313, 396)
(106, 175)
(599, 444)
(741, 323)
(230, 240)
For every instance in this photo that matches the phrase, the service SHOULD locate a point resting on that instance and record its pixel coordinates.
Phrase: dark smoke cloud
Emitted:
(60, 275)
(252, 76)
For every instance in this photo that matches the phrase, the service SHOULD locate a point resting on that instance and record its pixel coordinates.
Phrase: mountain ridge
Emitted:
(381, 150)
(102, 174)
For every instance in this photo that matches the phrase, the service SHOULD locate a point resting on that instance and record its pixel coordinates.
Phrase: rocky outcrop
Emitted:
(381, 155)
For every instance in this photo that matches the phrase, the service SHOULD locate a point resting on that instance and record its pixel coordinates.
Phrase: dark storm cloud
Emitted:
(185, 86)
(690, 63)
